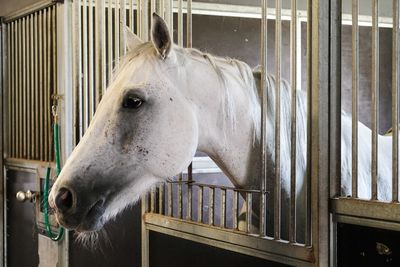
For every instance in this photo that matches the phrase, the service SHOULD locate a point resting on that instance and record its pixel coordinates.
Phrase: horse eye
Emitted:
(132, 102)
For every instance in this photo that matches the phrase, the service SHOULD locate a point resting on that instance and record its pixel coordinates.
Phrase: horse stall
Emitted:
(268, 147)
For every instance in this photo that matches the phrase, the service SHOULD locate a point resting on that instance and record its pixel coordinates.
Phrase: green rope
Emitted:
(50, 234)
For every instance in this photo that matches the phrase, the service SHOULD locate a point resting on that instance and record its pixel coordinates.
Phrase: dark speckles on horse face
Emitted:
(170, 99)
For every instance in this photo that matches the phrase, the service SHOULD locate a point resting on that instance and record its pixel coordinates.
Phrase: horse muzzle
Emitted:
(75, 215)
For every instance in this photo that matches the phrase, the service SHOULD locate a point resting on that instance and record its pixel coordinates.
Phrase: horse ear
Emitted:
(132, 40)
(160, 36)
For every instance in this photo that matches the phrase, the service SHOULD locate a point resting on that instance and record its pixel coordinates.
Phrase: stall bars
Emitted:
(99, 41)
(370, 212)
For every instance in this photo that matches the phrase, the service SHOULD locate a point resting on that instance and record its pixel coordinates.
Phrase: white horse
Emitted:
(165, 103)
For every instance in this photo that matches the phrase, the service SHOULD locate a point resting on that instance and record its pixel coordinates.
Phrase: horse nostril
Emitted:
(64, 199)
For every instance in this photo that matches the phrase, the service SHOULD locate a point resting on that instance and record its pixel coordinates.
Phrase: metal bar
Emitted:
(85, 88)
(11, 90)
(200, 205)
(249, 213)
(139, 18)
(309, 88)
(180, 200)
(153, 6)
(55, 88)
(190, 192)
(90, 93)
(223, 208)
(235, 207)
(45, 88)
(48, 81)
(122, 23)
(23, 89)
(30, 87)
(180, 23)
(116, 34)
(355, 85)
(170, 205)
(152, 200)
(320, 86)
(290, 254)
(109, 41)
(19, 98)
(77, 68)
(189, 24)
(211, 207)
(395, 102)
(144, 235)
(28, 10)
(161, 8)
(278, 61)
(168, 15)
(37, 85)
(374, 99)
(7, 61)
(144, 19)
(263, 81)
(293, 148)
(161, 199)
(40, 103)
(100, 74)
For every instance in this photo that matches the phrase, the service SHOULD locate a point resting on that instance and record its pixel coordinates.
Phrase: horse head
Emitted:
(144, 131)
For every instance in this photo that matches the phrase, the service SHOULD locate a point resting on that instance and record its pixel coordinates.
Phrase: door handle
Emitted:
(26, 196)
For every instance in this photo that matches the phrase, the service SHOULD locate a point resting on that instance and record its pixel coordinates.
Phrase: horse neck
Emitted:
(231, 144)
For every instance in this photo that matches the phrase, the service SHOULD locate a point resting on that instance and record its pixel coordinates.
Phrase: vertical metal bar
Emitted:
(116, 34)
(90, 94)
(190, 192)
(23, 89)
(55, 65)
(249, 211)
(109, 41)
(139, 18)
(11, 90)
(180, 200)
(41, 85)
(200, 205)
(153, 6)
(263, 53)
(49, 76)
(20, 91)
(189, 24)
(37, 85)
(85, 88)
(161, 199)
(335, 118)
(355, 84)
(235, 210)
(211, 192)
(145, 19)
(374, 99)
(122, 23)
(77, 67)
(320, 86)
(309, 88)
(168, 15)
(161, 8)
(145, 235)
(30, 90)
(45, 86)
(7, 119)
(100, 74)
(223, 208)
(293, 148)
(180, 23)
(278, 60)
(170, 206)
(395, 102)
(152, 200)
